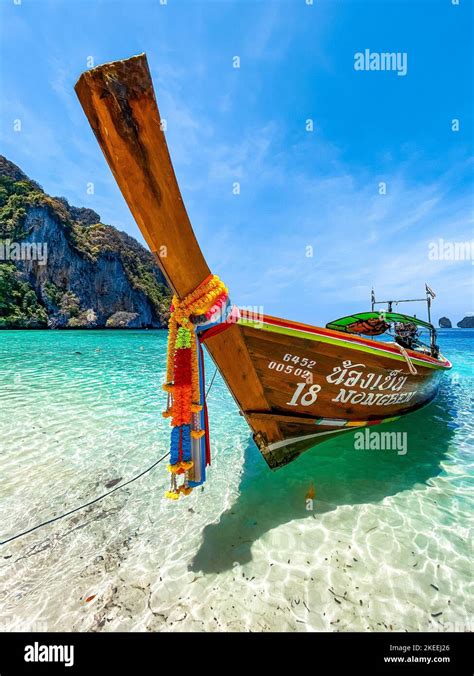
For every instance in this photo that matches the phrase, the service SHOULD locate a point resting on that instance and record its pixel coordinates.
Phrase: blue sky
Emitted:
(248, 125)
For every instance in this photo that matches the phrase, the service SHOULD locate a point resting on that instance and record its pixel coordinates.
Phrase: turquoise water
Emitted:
(385, 545)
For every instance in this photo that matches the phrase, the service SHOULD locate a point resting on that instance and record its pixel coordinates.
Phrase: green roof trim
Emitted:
(343, 322)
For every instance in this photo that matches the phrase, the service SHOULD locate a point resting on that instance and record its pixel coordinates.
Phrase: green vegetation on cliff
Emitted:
(30, 298)
(16, 198)
(19, 306)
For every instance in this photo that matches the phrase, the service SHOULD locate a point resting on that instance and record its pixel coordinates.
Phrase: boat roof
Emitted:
(343, 323)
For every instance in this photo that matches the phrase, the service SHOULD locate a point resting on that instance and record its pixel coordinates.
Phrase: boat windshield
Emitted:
(404, 329)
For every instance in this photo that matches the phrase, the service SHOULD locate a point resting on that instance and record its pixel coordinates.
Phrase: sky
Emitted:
(362, 200)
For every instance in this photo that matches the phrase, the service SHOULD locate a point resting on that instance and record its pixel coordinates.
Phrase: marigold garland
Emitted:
(185, 399)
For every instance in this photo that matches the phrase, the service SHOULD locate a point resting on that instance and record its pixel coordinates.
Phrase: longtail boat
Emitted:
(296, 385)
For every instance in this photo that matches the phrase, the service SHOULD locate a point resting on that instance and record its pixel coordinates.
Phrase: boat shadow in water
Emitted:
(340, 474)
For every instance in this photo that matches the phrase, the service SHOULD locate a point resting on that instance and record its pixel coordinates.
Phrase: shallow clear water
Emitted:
(387, 544)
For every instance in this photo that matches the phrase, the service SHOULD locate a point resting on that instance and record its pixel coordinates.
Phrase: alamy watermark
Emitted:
(23, 251)
(442, 250)
(381, 61)
(253, 313)
(371, 440)
(38, 652)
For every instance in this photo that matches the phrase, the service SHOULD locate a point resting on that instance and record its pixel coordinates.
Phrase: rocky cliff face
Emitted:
(91, 275)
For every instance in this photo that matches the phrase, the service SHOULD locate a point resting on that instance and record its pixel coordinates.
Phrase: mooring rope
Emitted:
(100, 497)
(87, 504)
(211, 383)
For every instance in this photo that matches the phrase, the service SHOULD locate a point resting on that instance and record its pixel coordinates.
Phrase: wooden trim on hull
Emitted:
(302, 420)
(296, 329)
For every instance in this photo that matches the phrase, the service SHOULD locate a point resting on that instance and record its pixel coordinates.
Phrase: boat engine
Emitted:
(406, 335)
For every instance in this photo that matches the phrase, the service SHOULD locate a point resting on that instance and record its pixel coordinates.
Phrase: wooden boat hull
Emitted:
(351, 381)
(318, 383)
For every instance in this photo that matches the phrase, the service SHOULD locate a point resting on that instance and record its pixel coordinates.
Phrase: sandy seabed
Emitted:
(204, 564)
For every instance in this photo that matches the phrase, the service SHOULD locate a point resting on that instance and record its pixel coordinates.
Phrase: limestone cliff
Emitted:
(89, 275)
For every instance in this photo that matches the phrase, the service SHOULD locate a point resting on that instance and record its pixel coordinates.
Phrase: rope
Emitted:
(211, 383)
(87, 504)
(411, 366)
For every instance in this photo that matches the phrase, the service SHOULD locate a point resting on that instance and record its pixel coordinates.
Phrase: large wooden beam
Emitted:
(119, 102)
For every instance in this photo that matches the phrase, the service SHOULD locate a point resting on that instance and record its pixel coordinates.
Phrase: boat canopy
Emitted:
(373, 323)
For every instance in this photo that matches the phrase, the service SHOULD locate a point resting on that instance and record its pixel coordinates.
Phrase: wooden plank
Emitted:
(281, 418)
(119, 102)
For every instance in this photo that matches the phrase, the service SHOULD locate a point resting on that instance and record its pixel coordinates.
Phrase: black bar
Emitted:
(318, 653)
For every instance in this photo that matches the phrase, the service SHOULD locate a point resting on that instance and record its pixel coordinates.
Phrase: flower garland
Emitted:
(185, 398)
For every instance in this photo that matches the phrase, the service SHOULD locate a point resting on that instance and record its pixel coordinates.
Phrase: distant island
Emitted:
(445, 323)
(60, 267)
(467, 322)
